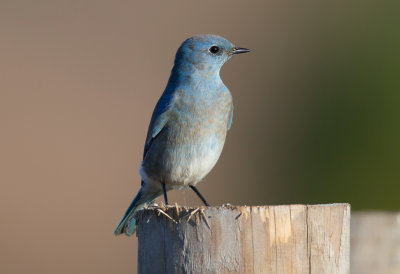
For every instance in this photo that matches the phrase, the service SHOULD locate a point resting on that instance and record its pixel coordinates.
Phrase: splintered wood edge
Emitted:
(177, 213)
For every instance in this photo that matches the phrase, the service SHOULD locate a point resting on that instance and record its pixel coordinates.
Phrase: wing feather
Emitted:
(158, 120)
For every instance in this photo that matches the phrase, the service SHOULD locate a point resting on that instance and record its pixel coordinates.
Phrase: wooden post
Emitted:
(245, 239)
(375, 242)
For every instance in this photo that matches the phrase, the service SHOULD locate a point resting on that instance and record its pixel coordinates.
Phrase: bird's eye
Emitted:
(214, 49)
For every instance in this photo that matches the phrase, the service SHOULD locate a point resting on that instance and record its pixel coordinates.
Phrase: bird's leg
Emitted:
(199, 194)
(165, 193)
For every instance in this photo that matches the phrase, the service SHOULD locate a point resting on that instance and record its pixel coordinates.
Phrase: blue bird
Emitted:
(189, 124)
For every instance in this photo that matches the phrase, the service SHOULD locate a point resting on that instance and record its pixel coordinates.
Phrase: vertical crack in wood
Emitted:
(293, 236)
(252, 233)
(165, 251)
(309, 239)
(341, 236)
(276, 245)
(202, 248)
(243, 245)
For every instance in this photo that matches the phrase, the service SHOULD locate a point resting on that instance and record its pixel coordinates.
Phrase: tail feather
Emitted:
(127, 224)
(127, 221)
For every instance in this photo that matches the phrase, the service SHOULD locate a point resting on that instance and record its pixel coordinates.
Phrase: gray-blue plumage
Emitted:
(189, 123)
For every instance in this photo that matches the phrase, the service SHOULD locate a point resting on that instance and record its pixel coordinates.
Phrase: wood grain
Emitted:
(375, 243)
(245, 239)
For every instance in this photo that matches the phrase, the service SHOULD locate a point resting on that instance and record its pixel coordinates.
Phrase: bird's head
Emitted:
(206, 52)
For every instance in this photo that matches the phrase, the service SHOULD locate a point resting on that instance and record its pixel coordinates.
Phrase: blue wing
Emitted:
(158, 120)
(230, 119)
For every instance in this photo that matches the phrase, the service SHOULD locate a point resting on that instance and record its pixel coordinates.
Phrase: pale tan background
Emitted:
(316, 115)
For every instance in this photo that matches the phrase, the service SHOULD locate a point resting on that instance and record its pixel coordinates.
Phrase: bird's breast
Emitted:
(198, 117)
(193, 138)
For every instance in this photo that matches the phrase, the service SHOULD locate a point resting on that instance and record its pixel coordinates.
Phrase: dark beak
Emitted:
(239, 50)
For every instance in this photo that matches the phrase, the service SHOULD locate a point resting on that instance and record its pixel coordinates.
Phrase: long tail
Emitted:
(127, 224)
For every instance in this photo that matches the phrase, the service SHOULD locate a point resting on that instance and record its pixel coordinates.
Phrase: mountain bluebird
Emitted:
(189, 124)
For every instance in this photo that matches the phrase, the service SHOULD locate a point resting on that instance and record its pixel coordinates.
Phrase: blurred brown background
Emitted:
(317, 116)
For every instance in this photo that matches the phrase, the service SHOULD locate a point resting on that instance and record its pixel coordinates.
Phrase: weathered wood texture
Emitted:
(375, 243)
(255, 239)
